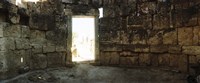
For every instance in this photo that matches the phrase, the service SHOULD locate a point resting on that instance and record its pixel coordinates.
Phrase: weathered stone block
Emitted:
(114, 60)
(173, 60)
(48, 48)
(61, 49)
(25, 31)
(42, 21)
(22, 43)
(3, 60)
(155, 39)
(38, 61)
(20, 58)
(196, 36)
(193, 50)
(183, 63)
(56, 59)
(7, 44)
(13, 31)
(14, 18)
(141, 48)
(174, 49)
(154, 60)
(164, 59)
(185, 36)
(129, 61)
(37, 37)
(3, 25)
(192, 59)
(36, 48)
(144, 59)
(159, 49)
(161, 21)
(37, 34)
(170, 37)
(110, 47)
(67, 1)
(105, 58)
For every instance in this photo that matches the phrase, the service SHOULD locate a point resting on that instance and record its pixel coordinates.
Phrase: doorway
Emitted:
(83, 38)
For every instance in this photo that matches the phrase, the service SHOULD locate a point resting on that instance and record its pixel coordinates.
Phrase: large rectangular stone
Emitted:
(25, 31)
(170, 37)
(7, 44)
(56, 59)
(159, 49)
(22, 43)
(114, 58)
(174, 49)
(164, 60)
(3, 25)
(183, 63)
(48, 48)
(38, 61)
(185, 36)
(193, 50)
(13, 31)
(144, 59)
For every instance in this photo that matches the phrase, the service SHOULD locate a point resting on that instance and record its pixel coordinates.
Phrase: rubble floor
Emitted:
(84, 73)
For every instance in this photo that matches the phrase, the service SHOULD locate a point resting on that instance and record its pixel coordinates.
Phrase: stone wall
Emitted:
(150, 33)
(31, 38)
(132, 33)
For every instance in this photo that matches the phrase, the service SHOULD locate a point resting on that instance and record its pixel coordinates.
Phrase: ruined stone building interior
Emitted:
(99, 41)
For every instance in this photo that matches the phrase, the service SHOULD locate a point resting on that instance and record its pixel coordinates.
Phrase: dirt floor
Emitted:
(84, 73)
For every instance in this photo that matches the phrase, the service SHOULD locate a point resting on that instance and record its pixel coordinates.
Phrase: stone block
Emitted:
(14, 18)
(156, 38)
(19, 58)
(170, 37)
(141, 48)
(159, 49)
(173, 60)
(196, 36)
(185, 36)
(67, 1)
(183, 63)
(174, 49)
(129, 61)
(114, 58)
(105, 58)
(38, 61)
(3, 64)
(48, 48)
(192, 59)
(56, 59)
(13, 31)
(36, 48)
(22, 43)
(42, 21)
(192, 50)
(164, 60)
(144, 59)
(154, 60)
(3, 25)
(25, 31)
(36, 34)
(7, 44)
(110, 47)
(61, 49)
(161, 21)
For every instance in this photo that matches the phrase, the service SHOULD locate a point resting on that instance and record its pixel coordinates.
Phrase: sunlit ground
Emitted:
(83, 39)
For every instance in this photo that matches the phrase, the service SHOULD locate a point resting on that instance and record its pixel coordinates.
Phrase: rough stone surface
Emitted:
(193, 50)
(38, 61)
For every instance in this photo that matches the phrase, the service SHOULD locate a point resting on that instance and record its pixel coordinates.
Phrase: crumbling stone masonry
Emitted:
(132, 33)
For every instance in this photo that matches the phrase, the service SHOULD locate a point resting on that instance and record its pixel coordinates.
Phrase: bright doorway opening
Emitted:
(83, 38)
